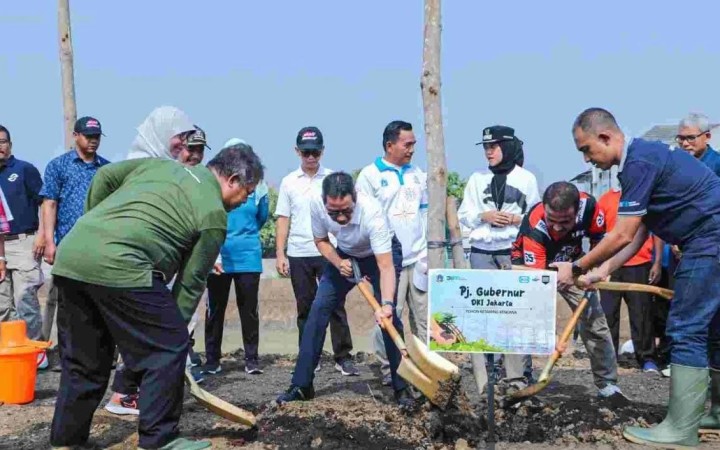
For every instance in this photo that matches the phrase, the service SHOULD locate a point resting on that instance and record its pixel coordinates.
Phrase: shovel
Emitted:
(544, 379)
(429, 372)
(217, 405)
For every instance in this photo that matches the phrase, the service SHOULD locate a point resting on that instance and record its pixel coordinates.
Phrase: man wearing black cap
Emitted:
(303, 262)
(493, 207)
(67, 180)
(194, 152)
(20, 181)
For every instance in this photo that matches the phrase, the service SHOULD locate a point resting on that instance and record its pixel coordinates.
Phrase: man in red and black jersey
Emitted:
(553, 231)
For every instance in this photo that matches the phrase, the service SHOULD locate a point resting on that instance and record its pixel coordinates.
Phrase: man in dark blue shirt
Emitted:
(67, 180)
(24, 245)
(694, 136)
(670, 193)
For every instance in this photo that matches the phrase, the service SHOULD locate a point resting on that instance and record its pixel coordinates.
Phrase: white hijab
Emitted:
(154, 134)
(261, 190)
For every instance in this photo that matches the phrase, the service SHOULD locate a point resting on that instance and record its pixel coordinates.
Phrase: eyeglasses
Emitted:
(690, 138)
(313, 153)
(347, 212)
(4, 141)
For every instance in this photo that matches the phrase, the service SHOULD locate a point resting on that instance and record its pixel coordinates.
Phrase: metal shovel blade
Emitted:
(218, 405)
(429, 372)
(544, 379)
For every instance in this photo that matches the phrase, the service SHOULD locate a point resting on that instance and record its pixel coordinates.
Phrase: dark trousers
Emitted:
(305, 273)
(152, 336)
(246, 296)
(661, 309)
(640, 311)
(694, 319)
(331, 294)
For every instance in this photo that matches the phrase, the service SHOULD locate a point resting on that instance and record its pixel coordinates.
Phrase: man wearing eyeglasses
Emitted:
(360, 226)
(303, 262)
(694, 136)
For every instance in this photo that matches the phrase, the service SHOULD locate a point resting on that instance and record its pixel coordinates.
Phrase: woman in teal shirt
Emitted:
(241, 263)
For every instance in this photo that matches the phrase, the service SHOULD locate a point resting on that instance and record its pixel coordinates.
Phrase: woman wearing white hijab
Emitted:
(163, 134)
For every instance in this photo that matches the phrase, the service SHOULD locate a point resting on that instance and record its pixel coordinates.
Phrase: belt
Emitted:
(15, 237)
(505, 251)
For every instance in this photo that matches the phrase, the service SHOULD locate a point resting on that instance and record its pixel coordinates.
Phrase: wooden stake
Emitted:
(458, 253)
(435, 141)
(68, 74)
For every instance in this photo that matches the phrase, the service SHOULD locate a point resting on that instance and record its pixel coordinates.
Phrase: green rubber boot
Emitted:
(710, 423)
(185, 444)
(679, 430)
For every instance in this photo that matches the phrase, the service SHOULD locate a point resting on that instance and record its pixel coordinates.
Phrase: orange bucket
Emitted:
(18, 363)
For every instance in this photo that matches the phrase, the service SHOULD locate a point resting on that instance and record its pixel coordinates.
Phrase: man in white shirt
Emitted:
(303, 262)
(362, 232)
(493, 206)
(401, 189)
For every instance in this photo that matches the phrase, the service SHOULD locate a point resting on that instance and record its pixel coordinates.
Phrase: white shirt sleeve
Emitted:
(282, 208)
(533, 194)
(379, 230)
(362, 184)
(469, 211)
(317, 220)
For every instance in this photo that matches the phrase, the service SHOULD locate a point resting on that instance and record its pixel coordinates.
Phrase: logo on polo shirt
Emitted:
(600, 219)
(383, 183)
(13, 177)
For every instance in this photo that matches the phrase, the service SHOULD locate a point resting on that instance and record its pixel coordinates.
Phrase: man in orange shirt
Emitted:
(639, 269)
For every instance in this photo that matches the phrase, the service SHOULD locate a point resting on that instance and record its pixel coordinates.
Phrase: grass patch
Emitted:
(477, 346)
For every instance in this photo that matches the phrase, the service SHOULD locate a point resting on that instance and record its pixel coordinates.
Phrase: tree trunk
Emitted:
(458, 254)
(68, 75)
(435, 141)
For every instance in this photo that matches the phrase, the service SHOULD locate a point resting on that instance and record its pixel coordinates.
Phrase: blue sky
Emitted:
(262, 70)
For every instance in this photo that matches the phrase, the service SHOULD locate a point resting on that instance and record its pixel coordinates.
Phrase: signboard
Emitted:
(492, 311)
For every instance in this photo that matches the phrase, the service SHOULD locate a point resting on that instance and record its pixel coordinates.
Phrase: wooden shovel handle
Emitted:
(637, 287)
(620, 286)
(387, 322)
(570, 327)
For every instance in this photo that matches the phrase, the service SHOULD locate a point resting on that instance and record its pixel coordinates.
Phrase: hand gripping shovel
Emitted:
(217, 405)
(544, 379)
(429, 372)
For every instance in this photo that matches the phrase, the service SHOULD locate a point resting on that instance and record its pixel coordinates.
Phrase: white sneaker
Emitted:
(42, 360)
(666, 372)
(123, 404)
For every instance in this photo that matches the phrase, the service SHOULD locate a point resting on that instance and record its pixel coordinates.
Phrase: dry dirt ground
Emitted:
(358, 413)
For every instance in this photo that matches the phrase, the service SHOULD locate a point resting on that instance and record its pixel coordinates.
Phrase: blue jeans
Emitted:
(331, 293)
(693, 324)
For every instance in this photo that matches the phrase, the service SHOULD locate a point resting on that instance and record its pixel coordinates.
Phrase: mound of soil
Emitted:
(359, 413)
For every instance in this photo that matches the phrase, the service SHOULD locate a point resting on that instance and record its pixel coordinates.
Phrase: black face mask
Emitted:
(512, 155)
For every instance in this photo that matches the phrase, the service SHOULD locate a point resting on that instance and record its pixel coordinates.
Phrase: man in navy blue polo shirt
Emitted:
(67, 180)
(673, 195)
(24, 245)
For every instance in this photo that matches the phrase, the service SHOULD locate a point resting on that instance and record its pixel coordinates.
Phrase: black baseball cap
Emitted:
(309, 138)
(198, 138)
(497, 133)
(88, 126)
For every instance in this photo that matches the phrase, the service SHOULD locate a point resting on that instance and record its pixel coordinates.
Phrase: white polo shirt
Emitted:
(296, 191)
(366, 234)
(402, 192)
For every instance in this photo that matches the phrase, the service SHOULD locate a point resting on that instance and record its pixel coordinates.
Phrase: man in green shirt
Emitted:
(145, 221)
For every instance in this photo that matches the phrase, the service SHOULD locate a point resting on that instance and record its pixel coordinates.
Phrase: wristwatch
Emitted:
(388, 303)
(577, 270)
